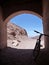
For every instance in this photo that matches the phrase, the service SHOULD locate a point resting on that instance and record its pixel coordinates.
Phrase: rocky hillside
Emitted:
(17, 38)
(14, 31)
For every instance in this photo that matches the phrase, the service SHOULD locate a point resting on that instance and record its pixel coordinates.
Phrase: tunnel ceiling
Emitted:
(11, 6)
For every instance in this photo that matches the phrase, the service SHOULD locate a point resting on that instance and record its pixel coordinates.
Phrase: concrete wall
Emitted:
(46, 22)
(10, 7)
(3, 36)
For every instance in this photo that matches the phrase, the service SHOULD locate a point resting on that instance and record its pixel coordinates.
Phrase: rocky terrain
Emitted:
(14, 31)
(17, 37)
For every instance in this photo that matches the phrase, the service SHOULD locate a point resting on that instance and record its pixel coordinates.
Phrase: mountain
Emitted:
(14, 31)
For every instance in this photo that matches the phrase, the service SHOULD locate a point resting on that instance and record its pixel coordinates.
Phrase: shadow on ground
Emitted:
(11, 56)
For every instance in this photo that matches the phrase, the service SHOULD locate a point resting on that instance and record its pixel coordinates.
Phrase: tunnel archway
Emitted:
(18, 13)
(21, 12)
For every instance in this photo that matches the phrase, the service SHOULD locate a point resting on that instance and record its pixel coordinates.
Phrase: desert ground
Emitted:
(24, 43)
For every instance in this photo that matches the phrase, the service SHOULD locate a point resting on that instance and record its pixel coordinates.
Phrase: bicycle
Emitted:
(36, 50)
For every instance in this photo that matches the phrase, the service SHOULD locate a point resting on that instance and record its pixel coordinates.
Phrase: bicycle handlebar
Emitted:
(41, 33)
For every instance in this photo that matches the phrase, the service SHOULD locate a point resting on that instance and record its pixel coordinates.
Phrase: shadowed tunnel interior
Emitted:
(11, 56)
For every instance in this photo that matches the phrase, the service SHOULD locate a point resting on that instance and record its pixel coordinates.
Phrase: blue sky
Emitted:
(29, 22)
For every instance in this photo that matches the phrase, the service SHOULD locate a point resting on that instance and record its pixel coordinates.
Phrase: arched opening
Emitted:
(19, 13)
(18, 54)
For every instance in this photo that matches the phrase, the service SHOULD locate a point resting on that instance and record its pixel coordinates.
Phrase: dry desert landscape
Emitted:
(17, 37)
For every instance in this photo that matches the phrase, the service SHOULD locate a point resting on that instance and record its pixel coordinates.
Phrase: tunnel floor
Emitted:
(11, 56)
